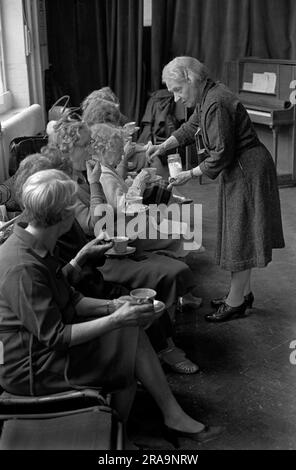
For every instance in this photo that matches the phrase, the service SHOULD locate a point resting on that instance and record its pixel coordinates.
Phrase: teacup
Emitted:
(143, 295)
(120, 244)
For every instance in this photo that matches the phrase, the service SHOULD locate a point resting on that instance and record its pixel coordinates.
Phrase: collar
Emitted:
(29, 240)
(206, 86)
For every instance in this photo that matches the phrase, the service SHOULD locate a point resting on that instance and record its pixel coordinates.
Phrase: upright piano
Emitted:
(265, 87)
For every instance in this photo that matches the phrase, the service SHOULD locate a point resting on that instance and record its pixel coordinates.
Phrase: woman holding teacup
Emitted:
(54, 338)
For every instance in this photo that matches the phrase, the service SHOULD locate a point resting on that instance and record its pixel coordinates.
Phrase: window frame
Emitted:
(2, 58)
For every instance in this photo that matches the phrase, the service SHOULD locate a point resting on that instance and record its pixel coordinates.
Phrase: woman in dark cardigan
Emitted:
(249, 215)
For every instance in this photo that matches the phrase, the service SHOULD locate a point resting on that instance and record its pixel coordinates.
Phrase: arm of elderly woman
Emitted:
(124, 316)
(157, 150)
(129, 152)
(41, 304)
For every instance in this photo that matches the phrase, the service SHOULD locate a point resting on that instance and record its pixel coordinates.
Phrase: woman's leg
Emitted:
(247, 288)
(160, 336)
(122, 401)
(239, 281)
(150, 373)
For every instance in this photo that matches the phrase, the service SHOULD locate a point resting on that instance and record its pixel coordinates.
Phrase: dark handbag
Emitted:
(21, 147)
(157, 193)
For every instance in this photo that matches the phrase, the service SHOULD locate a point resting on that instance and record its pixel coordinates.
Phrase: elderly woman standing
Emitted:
(54, 338)
(249, 216)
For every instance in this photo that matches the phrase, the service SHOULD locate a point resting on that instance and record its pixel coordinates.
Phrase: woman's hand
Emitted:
(130, 129)
(94, 171)
(94, 250)
(180, 179)
(129, 151)
(153, 151)
(139, 183)
(130, 314)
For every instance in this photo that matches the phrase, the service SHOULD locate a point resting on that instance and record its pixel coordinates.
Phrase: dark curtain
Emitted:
(94, 43)
(213, 31)
(273, 31)
(216, 31)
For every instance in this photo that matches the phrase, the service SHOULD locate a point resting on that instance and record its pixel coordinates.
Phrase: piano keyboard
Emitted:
(260, 117)
(258, 113)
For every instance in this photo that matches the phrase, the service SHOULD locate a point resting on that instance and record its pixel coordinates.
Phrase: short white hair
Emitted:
(48, 196)
(104, 138)
(184, 67)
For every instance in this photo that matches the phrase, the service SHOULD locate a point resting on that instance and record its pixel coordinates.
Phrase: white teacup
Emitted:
(120, 244)
(143, 295)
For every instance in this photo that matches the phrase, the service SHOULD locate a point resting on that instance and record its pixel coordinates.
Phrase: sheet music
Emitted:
(261, 83)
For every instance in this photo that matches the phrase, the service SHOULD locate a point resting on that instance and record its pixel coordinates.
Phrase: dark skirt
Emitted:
(107, 362)
(170, 278)
(249, 213)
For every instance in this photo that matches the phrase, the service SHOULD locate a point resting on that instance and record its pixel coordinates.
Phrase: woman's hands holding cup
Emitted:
(130, 313)
(94, 171)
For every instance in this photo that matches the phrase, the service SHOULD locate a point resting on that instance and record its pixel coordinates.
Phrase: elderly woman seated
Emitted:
(102, 106)
(108, 147)
(82, 258)
(104, 93)
(55, 339)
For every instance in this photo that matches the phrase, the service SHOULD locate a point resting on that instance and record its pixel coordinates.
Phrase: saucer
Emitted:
(158, 305)
(112, 253)
(135, 209)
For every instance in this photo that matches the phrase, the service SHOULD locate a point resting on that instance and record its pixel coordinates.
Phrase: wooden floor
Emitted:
(247, 382)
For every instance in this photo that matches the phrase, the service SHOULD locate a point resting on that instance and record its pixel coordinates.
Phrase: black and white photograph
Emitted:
(147, 230)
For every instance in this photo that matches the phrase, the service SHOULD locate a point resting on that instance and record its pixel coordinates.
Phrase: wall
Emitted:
(15, 56)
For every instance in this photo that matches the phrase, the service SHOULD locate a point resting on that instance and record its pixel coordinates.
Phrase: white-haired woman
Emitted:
(249, 216)
(55, 339)
(108, 146)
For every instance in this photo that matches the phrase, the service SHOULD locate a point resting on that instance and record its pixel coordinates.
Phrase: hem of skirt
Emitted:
(243, 265)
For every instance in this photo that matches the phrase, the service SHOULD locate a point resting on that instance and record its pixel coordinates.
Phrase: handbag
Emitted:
(21, 147)
(58, 109)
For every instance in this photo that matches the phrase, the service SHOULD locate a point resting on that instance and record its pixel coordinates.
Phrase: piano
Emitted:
(265, 87)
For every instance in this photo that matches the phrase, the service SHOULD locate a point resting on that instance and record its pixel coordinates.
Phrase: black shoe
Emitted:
(249, 300)
(225, 312)
(208, 433)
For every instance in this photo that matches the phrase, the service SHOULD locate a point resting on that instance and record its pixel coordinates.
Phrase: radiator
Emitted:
(29, 121)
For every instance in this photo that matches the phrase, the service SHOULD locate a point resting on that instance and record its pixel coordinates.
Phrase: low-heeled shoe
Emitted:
(249, 300)
(208, 433)
(225, 312)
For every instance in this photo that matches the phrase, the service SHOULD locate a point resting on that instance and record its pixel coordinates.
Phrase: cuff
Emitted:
(75, 265)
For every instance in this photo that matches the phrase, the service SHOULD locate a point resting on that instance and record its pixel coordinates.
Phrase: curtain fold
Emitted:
(124, 51)
(273, 31)
(94, 43)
